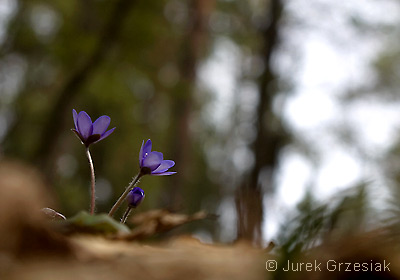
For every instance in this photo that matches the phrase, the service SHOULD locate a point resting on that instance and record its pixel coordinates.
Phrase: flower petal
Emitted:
(163, 173)
(152, 160)
(106, 134)
(144, 151)
(101, 124)
(164, 166)
(75, 115)
(141, 155)
(85, 127)
(147, 147)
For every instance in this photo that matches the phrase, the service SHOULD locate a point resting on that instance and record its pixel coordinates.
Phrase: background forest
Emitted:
(263, 105)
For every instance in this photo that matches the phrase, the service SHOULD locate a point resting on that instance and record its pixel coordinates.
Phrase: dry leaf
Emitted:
(158, 221)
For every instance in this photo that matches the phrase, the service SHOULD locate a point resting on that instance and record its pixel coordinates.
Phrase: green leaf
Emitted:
(83, 222)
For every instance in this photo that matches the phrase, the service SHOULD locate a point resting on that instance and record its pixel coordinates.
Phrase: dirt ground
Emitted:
(31, 249)
(184, 258)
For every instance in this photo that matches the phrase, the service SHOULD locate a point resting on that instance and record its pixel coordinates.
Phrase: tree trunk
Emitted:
(193, 44)
(270, 138)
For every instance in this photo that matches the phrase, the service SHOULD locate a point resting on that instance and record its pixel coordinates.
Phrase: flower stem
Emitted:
(92, 182)
(126, 214)
(125, 193)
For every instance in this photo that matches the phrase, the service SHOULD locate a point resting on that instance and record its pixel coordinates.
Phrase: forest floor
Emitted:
(31, 248)
(182, 258)
(34, 248)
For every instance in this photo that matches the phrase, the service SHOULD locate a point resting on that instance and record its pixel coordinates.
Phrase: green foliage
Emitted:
(315, 222)
(83, 222)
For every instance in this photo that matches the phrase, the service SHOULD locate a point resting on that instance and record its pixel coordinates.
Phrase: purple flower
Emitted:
(135, 197)
(88, 132)
(152, 163)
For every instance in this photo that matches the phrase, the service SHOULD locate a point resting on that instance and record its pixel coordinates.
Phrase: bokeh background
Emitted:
(282, 116)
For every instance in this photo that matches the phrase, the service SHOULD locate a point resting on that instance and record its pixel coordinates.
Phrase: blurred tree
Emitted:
(270, 134)
(191, 50)
(77, 79)
(59, 104)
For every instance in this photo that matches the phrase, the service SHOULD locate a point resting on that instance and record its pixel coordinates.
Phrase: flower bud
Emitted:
(135, 197)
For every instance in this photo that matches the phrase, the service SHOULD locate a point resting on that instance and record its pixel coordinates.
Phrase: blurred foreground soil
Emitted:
(31, 249)
(103, 259)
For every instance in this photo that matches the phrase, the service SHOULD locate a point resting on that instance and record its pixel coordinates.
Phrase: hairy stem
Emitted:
(126, 214)
(92, 182)
(125, 193)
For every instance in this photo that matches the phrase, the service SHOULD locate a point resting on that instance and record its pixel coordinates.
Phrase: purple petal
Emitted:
(101, 124)
(153, 160)
(85, 127)
(147, 148)
(144, 151)
(75, 115)
(164, 166)
(163, 174)
(141, 155)
(105, 135)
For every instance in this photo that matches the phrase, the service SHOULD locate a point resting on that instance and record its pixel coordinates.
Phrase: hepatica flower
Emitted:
(150, 163)
(88, 132)
(153, 163)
